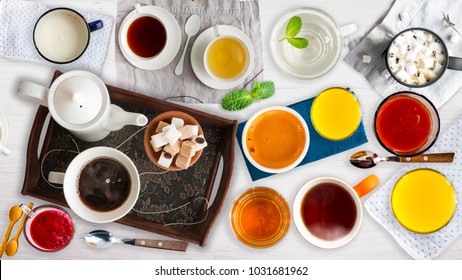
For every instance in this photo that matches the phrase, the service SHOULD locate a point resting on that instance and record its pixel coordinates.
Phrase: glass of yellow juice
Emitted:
(423, 201)
(227, 58)
(336, 114)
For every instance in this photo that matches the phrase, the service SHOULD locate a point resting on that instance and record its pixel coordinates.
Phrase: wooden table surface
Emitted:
(372, 242)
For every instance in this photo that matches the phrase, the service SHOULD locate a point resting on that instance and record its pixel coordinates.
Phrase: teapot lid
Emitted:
(78, 99)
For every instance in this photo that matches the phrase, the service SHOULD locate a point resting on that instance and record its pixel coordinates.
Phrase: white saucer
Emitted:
(197, 56)
(173, 39)
(3, 129)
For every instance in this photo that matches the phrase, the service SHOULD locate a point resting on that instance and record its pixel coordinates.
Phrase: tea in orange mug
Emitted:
(328, 211)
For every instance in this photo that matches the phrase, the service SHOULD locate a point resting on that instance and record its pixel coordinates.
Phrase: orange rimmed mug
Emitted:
(328, 211)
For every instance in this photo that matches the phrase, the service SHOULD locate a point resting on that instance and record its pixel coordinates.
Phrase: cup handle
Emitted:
(366, 185)
(348, 29)
(455, 63)
(95, 25)
(56, 177)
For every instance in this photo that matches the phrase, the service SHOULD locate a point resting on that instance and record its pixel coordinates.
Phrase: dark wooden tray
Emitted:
(158, 192)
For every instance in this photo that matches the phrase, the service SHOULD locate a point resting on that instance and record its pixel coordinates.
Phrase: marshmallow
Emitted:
(427, 62)
(201, 143)
(410, 56)
(438, 67)
(168, 128)
(403, 16)
(160, 126)
(436, 47)
(410, 68)
(440, 57)
(172, 136)
(385, 73)
(159, 140)
(156, 149)
(426, 51)
(165, 159)
(366, 59)
(393, 49)
(421, 79)
(402, 75)
(394, 68)
(400, 40)
(419, 56)
(402, 48)
(178, 123)
(417, 47)
(430, 75)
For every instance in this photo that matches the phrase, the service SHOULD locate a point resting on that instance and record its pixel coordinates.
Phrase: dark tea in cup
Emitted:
(146, 37)
(104, 184)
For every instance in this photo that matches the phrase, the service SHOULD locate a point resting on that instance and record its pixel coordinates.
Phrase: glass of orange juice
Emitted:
(336, 114)
(423, 201)
(260, 217)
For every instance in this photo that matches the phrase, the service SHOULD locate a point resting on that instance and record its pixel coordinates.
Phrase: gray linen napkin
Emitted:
(163, 83)
(402, 15)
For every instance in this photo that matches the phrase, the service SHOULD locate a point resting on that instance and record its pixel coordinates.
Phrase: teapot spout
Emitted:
(119, 118)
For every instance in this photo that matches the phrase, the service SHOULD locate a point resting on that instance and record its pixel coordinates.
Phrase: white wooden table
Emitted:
(373, 242)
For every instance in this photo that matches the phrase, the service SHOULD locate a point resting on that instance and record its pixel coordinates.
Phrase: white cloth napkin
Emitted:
(418, 13)
(17, 21)
(424, 246)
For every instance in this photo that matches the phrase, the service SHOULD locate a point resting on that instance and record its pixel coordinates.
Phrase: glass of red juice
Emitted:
(406, 123)
(48, 228)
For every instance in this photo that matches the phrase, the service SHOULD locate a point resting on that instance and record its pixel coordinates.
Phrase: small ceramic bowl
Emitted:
(304, 146)
(150, 130)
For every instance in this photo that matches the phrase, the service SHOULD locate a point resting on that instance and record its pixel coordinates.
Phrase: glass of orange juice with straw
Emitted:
(336, 114)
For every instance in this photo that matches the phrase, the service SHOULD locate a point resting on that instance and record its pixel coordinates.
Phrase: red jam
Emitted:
(403, 124)
(51, 230)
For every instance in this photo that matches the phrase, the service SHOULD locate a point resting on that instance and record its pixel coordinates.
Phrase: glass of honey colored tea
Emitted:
(260, 217)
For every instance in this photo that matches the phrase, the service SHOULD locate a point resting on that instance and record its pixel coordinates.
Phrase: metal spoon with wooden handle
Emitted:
(367, 159)
(104, 239)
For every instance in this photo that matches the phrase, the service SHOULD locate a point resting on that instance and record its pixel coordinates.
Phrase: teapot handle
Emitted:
(33, 92)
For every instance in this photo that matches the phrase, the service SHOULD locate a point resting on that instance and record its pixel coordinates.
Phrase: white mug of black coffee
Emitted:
(62, 35)
(100, 185)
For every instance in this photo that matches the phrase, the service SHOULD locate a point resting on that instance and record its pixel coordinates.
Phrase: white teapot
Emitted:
(79, 101)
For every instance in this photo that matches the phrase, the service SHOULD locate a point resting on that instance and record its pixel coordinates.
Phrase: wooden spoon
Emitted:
(14, 215)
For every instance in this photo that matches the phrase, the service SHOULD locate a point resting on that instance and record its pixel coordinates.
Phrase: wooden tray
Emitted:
(158, 192)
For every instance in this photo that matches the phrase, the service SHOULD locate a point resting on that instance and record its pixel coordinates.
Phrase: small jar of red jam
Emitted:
(48, 228)
(406, 123)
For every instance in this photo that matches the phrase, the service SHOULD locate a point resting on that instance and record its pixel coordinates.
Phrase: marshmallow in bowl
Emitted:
(414, 51)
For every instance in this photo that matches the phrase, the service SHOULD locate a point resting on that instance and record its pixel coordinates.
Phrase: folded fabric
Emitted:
(319, 147)
(163, 83)
(424, 246)
(17, 21)
(406, 14)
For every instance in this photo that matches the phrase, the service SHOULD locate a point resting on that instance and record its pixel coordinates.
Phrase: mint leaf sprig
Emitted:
(241, 98)
(292, 29)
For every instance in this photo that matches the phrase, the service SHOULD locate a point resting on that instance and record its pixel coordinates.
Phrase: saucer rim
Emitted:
(171, 50)
(4, 128)
(197, 62)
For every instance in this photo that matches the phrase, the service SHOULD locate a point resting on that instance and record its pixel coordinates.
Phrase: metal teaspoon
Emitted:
(191, 28)
(104, 239)
(367, 159)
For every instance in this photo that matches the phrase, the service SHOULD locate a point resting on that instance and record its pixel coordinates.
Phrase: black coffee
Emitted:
(104, 184)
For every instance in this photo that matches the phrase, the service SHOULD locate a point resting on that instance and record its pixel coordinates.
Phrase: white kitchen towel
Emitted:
(402, 15)
(424, 246)
(17, 21)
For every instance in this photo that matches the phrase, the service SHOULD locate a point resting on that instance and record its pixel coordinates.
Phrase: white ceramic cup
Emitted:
(62, 35)
(361, 189)
(248, 53)
(70, 181)
(305, 145)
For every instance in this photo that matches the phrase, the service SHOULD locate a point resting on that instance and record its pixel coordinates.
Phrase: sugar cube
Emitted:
(165, 159)
(172, 136)
(159, 140)
(188, 148)
(182, 161)
(173, 149)
(156, 149)
(168, 128)
(186, 132)
(194, 130)
(178, 123)
(161, 125)
(200, 142)
(366, 59)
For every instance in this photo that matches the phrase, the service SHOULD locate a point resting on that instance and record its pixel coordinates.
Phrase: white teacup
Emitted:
(72, 179)
(328, 212)
(228, 57)
(62, 35)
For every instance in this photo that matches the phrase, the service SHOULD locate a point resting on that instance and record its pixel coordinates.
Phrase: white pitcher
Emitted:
(79, 101)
